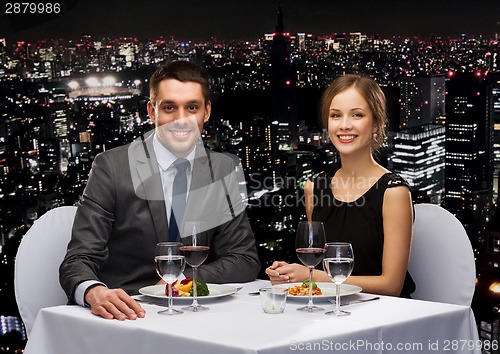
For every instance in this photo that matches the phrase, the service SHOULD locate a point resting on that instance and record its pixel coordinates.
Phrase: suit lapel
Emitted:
(151, 187)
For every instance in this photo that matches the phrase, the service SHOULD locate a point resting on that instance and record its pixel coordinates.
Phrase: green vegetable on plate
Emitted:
(201, 287)
(305, 284)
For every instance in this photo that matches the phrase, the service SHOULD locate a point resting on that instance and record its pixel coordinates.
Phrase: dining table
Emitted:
(236, 324)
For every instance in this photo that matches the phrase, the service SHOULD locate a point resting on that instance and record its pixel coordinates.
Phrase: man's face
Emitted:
(179, 113)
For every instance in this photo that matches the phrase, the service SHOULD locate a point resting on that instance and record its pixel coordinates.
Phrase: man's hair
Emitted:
(370, 91)
(182, 71)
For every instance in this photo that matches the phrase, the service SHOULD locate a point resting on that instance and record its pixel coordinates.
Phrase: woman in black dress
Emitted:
(361, 202)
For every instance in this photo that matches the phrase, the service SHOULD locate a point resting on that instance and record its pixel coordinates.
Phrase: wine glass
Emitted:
(309, 245)
(169, 265)
(195, 247)
(338, 264)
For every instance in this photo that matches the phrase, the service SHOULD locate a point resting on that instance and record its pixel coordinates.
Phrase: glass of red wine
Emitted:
(310, 247)
(195, 247)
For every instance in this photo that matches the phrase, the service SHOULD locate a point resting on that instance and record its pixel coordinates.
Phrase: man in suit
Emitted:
(126, 208)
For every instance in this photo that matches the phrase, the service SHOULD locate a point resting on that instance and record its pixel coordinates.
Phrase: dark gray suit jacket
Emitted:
(121, 217)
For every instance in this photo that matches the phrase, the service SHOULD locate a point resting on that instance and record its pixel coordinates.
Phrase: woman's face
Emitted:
(350, 122)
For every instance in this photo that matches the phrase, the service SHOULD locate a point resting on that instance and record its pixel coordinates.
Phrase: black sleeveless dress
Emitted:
(359, 223)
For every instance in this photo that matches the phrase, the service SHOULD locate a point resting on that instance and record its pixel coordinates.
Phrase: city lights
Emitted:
(495, 288)
(73, 84)
(92, 82)
(68, 100)
(108, 81)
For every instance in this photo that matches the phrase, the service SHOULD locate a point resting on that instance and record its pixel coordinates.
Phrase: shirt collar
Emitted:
(165, 158)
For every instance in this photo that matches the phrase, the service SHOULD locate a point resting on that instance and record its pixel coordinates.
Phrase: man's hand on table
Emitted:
(113, 303)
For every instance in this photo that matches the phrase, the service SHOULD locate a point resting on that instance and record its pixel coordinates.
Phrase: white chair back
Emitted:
(36, 269)
(441, 260)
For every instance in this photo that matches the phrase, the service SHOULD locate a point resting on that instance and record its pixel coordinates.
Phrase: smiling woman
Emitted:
(356, 99)
(350, 124)
(361, 203)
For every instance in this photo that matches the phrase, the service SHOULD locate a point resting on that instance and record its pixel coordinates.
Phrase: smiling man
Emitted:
(128, 205)
(179, 109)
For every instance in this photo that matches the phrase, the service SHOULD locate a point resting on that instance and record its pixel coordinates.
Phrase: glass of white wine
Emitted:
(169, 263)
(338, 264)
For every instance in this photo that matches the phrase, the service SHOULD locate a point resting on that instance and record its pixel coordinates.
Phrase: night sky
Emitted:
(249, 19)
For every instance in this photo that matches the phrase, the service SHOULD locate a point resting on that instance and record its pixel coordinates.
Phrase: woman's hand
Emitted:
(281, 272)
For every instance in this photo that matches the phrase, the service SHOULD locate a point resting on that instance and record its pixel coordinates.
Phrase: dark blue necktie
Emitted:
(179, 191)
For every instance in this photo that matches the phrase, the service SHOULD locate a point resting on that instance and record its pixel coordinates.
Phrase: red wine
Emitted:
(310, 257)
(195, 255)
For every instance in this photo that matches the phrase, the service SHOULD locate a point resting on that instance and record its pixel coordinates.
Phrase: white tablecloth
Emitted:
(237, 324)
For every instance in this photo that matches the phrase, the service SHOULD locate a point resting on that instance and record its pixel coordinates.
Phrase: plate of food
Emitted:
(321, 291)
(183, 290)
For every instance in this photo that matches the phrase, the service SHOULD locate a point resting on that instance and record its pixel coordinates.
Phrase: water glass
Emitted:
(273, 299)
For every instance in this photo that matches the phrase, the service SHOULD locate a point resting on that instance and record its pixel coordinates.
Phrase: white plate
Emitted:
(327, 289)
(216, 290)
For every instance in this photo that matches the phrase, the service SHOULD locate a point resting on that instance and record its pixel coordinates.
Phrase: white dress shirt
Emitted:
(165, 161)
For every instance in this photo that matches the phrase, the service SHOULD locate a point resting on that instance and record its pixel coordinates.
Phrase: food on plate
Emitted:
(184, 288)
(303, 289)
(201, 289)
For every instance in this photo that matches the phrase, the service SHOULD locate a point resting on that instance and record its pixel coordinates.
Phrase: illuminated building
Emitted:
(81, 153)
(494, 92)
(300, 164)
(301, 38)
(418, 153)
(422, 100)
(419, 157)
(356, 39)
(49, 156)
(126, 56)
(280, 136)
(468, 148)
(492, 241)
(282, 86)
(311, 138)
(58, 121)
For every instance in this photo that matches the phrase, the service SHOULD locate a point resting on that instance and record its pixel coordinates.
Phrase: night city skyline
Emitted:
(232, 20)
(76, 85)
